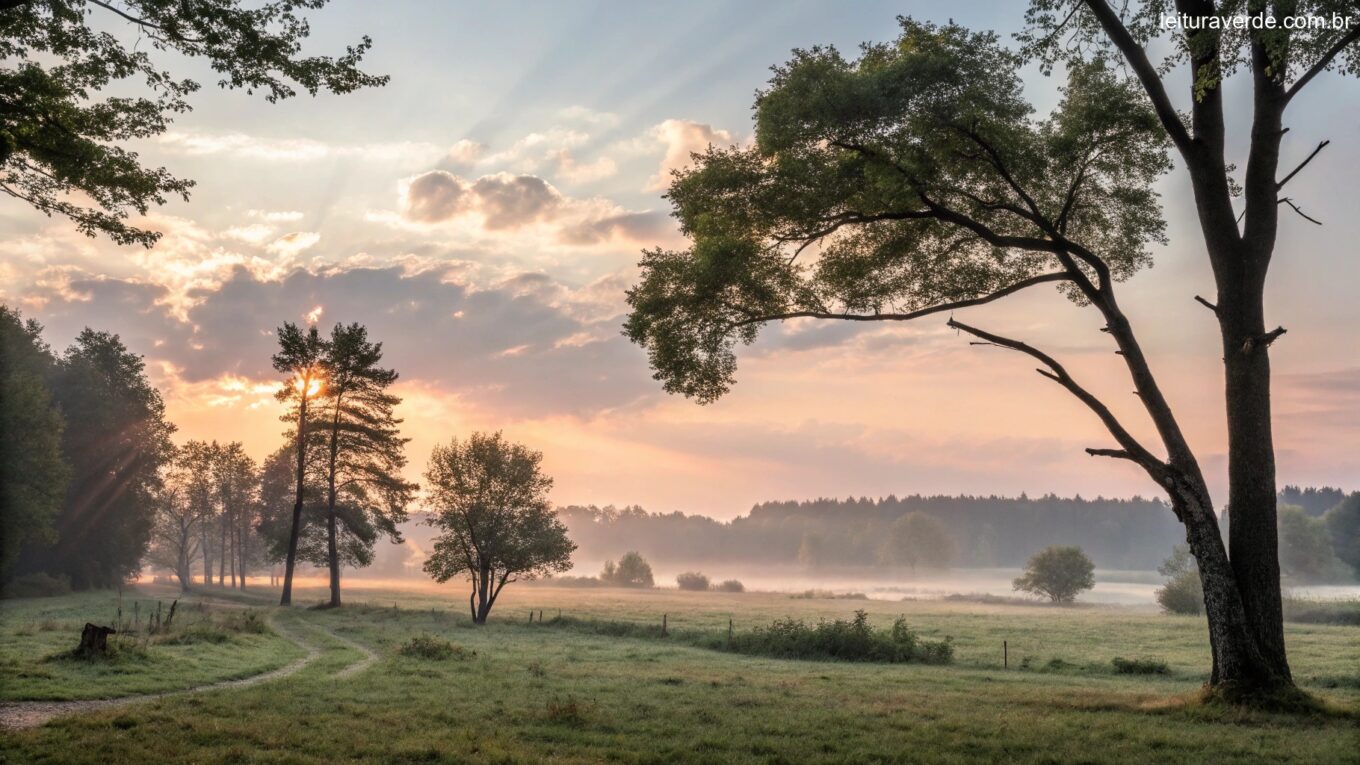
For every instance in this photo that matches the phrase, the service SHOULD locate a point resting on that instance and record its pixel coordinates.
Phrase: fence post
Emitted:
(1005, 655)
(729, 630)
(531, 616)
(663, 623)
(540, 616)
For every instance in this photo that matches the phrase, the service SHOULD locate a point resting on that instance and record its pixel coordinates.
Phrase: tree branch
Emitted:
(1302, 165)
(1145, 71)
(970, 302)
(1207, 304)
(1302, 214)
(1321, 64)
(1057, 373)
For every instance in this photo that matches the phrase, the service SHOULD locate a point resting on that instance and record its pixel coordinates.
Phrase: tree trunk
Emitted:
(1252, 533)
(333, 553)
(207, 554)
(287, 597)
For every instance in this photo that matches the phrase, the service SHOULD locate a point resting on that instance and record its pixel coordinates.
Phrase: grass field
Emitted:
(545, 693)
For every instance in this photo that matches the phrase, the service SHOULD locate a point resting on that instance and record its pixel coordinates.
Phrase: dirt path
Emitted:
(29, 714)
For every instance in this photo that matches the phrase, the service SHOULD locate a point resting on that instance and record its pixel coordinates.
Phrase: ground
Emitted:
(534, 693)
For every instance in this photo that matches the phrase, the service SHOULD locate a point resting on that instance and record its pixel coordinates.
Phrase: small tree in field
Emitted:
(1183, 593)
(489, 499)
(692, 580)
(1058, 573)
(632, 570)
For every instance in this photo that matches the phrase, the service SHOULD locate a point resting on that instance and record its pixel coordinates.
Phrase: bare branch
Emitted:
(957, 304)
(1057, 373)
(1118, 454)
(1302, 165)
(1322, 63)
(1302, 214)
(1207, 304)
(1262, 341)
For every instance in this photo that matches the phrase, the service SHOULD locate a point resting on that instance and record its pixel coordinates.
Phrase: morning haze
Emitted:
(672, 382)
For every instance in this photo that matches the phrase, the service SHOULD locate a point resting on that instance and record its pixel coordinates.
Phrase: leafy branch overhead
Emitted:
(913, 180)
(62, 139)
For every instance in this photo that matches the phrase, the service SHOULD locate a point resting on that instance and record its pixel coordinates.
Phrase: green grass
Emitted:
(532, 693)
(206, 644)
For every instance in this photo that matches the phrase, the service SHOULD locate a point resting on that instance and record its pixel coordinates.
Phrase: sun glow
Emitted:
(312, 385)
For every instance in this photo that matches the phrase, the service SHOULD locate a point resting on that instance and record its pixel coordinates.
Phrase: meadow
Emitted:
(585, 688)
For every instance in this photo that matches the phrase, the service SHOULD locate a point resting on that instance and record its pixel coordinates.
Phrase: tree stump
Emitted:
(94, 640)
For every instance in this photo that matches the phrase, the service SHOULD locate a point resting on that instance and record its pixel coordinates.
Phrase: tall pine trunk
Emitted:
(332, 550)
(291, 561)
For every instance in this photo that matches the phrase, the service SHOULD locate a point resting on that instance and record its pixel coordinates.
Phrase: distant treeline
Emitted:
(989, 531)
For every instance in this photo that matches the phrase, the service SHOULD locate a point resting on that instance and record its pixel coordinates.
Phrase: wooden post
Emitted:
(540, 616)
(1005, 655)
(729, 630)
(531, 616)
(663, 624)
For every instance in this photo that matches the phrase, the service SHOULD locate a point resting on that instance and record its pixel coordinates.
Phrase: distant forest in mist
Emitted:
(990, 531)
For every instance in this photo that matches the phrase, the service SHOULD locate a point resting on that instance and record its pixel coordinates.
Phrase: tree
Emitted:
(927, 185)
(1306, 547)
(300, 359)
(692, 580)
(1182, 593)
(33, 473)
(1343, 523)
(1057, 573)
(62, 134)
(364, 449)
(489, 500)
(193, 475)
(179, 513)
(236, 478)
(115, 440)
(917, 539)
(632, 570)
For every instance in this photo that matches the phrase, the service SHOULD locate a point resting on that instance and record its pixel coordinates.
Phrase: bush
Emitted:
(37, 585)
(828, 595)
(1124, 666)
(692, 580)
(730, 585)
(434, 649)
(1312, 611)
(852, 640)
(1058, 573)
(632, 570)
(1183, 593)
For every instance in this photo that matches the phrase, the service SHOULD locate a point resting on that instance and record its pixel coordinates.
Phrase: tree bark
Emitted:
(291, 562)
(332, 550)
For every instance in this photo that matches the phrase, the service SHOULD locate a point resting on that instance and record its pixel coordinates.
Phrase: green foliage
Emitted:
(841, 640)
(1057, 573)
(434, 648)
(923, 177)
(730, 585)
(70, 104)
(116, 439)
(632, 570)
(33, 473)
(692, 580)
(1306, 551)
(1343, 524)
(488, 499)
(917, 539)
(1183, 593)
(39, 584)
(1123, 666)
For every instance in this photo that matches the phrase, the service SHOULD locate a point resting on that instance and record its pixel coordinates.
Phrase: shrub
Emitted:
(730, 585)
(853, 640)
(632, 570)
(1058, 573)
(692, 580)
(434, 649)
(828, 595)
(37, 585)
(1124, 666)
(1183, 593)
(1311, 611)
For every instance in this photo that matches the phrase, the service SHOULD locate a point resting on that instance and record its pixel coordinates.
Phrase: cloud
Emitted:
(589, 116)
(465, 153)
(518, 347)
(630, 226)
(435, 196)
(681, 139)
(292, 149)
(289, 245)
(511, 201)
(572, 171)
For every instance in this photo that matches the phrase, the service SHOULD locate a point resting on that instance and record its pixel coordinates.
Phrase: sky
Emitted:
(483, 214)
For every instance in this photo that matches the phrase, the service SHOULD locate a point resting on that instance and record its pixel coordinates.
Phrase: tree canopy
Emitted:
(1058, 573)
(66, 67)
(919, 178)
(488, 498)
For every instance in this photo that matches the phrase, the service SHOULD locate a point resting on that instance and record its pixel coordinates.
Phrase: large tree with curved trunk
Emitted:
(917, 180)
